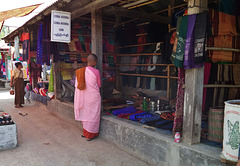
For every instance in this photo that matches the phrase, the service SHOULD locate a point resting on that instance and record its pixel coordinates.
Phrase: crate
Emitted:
(8, 137)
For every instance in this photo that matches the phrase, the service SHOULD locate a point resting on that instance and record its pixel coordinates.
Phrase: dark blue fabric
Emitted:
(46, 42)
(39, 45)
(150, 120)
(138, 116)
(167, 127)
(162, 123)
(127, 110)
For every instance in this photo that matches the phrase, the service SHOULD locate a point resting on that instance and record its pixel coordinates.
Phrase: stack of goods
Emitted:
(5, 119)
(144, 110)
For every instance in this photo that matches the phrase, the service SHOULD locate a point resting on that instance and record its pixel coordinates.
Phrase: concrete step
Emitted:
(148, 143)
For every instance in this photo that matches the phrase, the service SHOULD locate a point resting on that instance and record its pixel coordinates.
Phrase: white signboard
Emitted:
(60, 26)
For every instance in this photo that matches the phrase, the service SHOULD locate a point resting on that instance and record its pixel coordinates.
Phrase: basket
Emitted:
(215, 124)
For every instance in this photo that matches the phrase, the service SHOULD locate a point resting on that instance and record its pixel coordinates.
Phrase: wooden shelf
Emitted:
(77, 52)
(75, 34)
(146, 75)
(144, 64)
(220, 86)
(139, 54)
(136, 45)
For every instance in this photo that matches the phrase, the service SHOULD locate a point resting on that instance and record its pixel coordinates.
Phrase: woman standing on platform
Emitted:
(18, 82)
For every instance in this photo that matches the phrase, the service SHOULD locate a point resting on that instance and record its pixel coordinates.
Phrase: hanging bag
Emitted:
(11, 91)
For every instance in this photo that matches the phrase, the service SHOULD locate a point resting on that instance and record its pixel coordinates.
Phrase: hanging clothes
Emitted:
(181, 42)
(40, 45)
(227, 24)
(178, 119)
(16, 46)
(225, 42)
(173, 55)
(189, 46)
(200, 33)
(46, 43)
(26, 45)
(227, 6)
(207, 70)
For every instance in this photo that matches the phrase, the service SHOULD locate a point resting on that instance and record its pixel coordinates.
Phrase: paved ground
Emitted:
(47, 140)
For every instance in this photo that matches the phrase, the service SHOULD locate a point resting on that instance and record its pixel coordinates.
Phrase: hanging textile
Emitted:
(40, 45)
(178, 119)
(200, 32)
(207, 70)
(16, 46)
(46, 43)
(181, 42)
(227, 24)
(173, 56)
(51, 81)
(227, 6)
(224, 42)
(26, 45)
(189, 46)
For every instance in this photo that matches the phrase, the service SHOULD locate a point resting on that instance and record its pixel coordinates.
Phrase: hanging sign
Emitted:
(60, 26)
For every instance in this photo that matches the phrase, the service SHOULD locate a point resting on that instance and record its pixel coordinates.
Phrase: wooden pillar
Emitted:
(57, 81)
(96, 25)
(193, 91)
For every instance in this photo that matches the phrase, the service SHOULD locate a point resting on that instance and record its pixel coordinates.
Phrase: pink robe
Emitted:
(87, 103)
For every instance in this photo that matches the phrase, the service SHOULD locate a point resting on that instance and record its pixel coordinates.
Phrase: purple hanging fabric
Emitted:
(46, 43)
(39, 45)
(189, 46)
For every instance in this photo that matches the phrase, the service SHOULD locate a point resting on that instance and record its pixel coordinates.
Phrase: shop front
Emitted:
(157, 78)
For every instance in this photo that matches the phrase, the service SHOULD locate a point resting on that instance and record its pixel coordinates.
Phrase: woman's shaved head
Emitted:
(92, 60)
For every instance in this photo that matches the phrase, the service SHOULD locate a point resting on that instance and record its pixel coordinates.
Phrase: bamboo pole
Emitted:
(223, 49)
(143, 4)
(133, 3)
(142, 34)
(165, 10)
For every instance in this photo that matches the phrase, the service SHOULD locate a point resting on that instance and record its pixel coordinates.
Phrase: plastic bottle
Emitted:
(152, 108)
(144, 104)
(177, 137)
(158, 105)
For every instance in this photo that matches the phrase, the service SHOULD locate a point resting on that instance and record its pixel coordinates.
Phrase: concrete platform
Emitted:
(47, 140)
(148, 143)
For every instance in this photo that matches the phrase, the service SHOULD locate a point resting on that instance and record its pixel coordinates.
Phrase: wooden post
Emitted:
(57, 81)
(193, 91)
(96, 25)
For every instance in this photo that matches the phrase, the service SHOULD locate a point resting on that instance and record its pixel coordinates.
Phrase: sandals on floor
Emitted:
(89, 139)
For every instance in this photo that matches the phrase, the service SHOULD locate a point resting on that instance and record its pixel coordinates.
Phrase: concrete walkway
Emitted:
(47, 140)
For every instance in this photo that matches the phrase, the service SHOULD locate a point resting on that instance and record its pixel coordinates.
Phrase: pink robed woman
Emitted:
(87, 101)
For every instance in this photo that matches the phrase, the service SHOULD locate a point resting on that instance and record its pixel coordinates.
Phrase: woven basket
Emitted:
(215, 124)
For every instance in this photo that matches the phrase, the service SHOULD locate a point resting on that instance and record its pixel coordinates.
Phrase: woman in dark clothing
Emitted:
(18, 82)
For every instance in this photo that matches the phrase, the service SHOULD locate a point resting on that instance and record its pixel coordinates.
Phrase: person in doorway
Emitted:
(87, 100)
(18, 82)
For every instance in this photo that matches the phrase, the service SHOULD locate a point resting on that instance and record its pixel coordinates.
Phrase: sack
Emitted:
(11, 92)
